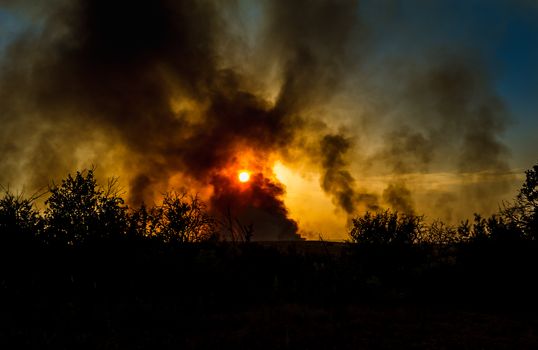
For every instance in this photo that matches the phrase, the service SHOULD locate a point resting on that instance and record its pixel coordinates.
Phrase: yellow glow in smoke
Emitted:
(309, 205)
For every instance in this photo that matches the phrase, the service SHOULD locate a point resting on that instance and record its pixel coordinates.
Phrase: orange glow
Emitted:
(244, 176)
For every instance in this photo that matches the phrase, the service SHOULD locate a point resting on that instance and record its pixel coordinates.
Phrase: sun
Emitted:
(244, 176)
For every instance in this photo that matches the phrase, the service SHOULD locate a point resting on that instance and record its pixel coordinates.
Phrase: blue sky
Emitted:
(10, 25)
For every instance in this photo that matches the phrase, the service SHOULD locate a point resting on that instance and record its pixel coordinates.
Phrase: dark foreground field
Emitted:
(133, 294)
(137, 323)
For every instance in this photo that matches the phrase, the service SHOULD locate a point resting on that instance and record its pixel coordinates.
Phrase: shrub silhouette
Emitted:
(386, 227)
(78, 210)
(179, 219)
(139, 223)
(19, 218)
(439, 233)
(523, 213)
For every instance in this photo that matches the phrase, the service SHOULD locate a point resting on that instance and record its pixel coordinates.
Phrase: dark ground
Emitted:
(310, 295)
(136, 324)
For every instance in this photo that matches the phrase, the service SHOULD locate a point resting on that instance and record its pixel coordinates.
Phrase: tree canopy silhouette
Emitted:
(179, 219)
(386, 227)
(523, 212)
(18, 216)
(78, 209)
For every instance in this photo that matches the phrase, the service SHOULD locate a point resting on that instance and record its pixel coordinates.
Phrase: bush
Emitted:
(179, 219)
(78, 210)
(440, 233)
(523, 213)
(386, 227)
(18, 216)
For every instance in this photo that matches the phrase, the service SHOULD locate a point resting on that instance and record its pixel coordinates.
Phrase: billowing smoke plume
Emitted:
(453, 116)
(168, 92)
(146, 75)
(337, 179)
(399, 197)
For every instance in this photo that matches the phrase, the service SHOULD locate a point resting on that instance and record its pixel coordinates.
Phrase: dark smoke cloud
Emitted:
(453, 117)
(459, 114)
(337, 180)
(473, 118)
(100, 70)
(450, 110)
(311, 39)
(144, 88)
(408, 150)
(258, 204)
(399, 197)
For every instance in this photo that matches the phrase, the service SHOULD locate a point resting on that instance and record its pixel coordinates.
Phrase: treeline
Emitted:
(79, 210)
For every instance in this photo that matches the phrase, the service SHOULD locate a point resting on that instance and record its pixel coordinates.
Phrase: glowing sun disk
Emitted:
(244, 176)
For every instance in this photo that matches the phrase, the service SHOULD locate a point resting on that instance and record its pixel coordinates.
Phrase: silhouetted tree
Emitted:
(139, 222)
(179, 219)
(501, 228)
(480, 228)
(386, 227)
(464, 230)
(523, 213)
(439, 233)
(19, 218)
(78, 210)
